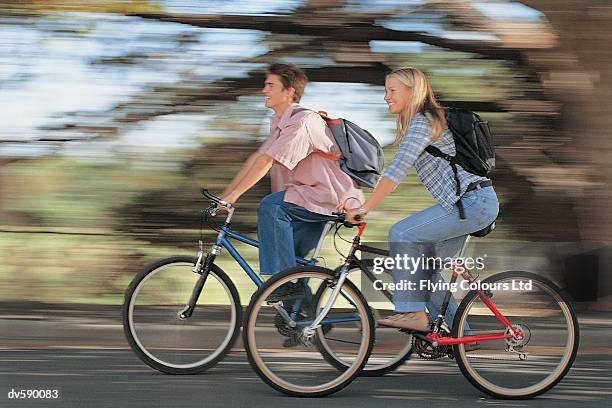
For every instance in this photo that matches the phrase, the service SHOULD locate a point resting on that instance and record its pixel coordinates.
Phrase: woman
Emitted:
(438, 230)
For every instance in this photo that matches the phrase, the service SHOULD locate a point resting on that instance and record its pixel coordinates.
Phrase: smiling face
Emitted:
(277, 97)
(397, 95)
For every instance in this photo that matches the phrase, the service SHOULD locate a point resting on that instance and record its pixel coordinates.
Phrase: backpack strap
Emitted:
(434, 151)
(296, 111)
(323, 115)
(327, 156)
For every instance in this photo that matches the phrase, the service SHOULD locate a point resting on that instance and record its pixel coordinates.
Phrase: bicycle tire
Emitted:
(156, 356)
(370, 370)
(256, 358)
(520, 311)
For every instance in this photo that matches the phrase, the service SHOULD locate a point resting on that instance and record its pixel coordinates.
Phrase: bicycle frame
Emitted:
(437, 340)
(343, 272)
(223, 240)
(205, 261)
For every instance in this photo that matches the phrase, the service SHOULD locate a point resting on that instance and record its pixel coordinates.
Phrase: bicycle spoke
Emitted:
(340, 340)
(165, 340)
(521, 366)
(303, 369)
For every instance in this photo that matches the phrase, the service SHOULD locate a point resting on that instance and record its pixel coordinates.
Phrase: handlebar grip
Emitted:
(210, 196)
(342, 215)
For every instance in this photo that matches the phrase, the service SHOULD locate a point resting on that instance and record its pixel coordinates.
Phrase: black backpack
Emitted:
(361, 154)
(473, 145)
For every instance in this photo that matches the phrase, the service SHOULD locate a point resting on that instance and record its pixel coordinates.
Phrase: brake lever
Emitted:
(212, 209)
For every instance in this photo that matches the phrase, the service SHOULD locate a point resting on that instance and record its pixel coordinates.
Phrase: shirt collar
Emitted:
(281, 122)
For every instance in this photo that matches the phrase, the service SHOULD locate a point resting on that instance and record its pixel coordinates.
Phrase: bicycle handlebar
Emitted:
(341, 217)
(214, 198)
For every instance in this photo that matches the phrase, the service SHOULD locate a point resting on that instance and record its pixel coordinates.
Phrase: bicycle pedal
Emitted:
(291, 342)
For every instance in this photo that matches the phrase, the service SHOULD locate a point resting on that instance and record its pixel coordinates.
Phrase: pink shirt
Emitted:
(310, 180)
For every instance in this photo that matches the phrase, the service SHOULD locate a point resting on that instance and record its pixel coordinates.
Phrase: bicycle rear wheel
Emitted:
(164, 340)
(282, 351)
(518, 368)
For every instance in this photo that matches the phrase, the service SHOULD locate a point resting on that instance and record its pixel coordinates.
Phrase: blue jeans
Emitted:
(285, 231)
(439, 233)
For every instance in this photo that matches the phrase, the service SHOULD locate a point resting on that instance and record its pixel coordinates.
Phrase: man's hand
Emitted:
(230, 198)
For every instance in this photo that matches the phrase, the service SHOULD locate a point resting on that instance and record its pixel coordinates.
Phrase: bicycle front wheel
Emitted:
(283, 350)
(391, 347)
(517, 368)
(161, 337)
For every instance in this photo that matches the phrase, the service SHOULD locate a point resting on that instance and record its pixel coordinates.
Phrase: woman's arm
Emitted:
(384, 187)
(419, 137)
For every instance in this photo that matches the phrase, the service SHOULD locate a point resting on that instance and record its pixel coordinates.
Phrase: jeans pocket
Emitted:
(469, 199)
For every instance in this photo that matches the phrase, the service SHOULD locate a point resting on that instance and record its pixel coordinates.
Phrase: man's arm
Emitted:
(260, 167)
(246, 168)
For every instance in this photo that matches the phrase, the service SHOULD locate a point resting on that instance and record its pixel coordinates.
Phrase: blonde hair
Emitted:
(421, 101)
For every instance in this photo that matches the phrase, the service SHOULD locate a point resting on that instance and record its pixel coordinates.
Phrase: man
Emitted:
(306, 185)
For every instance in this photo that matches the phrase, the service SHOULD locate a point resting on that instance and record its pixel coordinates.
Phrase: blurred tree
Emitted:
(555, 180)
(170, 215)
(560, 170)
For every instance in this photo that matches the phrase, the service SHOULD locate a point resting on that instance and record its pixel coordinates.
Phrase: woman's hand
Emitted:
(351, 214)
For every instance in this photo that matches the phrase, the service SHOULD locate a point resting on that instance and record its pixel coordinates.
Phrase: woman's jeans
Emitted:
(436, 232)
(285, 231)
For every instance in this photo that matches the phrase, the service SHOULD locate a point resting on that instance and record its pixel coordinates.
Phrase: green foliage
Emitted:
(81, 228)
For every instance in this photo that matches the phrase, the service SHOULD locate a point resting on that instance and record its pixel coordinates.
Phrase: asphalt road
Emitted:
(82, 354)
(116, 378)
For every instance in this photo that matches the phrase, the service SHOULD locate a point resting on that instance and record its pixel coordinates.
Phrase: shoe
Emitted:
(288, 291)
(291, 342)
(417, 321)
(471, 346)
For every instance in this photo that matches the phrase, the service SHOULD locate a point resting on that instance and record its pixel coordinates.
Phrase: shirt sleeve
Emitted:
(292, 145)
(265, 145)
(418, 138)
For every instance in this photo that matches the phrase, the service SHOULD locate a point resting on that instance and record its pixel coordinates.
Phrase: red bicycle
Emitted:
(515, 334)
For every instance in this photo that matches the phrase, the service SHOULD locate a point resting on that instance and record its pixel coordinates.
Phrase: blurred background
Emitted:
(113, 115)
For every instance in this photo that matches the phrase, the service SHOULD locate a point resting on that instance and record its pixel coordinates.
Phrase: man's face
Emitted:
(276, 96)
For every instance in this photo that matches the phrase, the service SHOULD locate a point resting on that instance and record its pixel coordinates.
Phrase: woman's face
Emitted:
(397, 95)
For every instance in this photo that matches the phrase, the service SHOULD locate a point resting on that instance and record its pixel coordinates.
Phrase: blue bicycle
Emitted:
(182, 314)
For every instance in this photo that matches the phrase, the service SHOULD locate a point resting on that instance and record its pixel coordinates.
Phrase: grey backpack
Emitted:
(361, 154)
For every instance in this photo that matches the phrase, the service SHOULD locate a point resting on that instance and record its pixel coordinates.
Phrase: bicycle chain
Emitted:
(283, 328)
(427, 351)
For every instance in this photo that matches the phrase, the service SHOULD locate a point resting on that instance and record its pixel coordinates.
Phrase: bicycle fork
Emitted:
(202, 267)
(310, 330)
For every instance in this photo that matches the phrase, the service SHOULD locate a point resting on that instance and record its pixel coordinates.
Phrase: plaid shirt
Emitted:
(435, 172)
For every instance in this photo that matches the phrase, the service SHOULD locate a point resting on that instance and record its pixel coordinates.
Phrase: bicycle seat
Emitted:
(485, 231)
